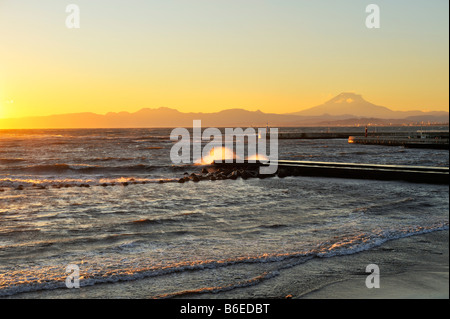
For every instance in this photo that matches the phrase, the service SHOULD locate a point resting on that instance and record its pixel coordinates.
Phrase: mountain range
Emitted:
(344, 109)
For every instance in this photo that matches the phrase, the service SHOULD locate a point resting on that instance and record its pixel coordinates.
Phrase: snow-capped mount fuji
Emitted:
(345, 109)
(354, 105)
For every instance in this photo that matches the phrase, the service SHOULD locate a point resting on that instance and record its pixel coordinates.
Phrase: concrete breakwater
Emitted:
(440, 135)
(431, 143)
(246, 170)
(416, 174)
(316, 135)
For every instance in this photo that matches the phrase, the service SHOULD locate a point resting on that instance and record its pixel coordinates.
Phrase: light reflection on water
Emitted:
(240, 229)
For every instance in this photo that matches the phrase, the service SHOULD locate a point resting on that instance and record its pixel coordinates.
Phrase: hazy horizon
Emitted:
(221, 110)
(200, 56)
(345, 109)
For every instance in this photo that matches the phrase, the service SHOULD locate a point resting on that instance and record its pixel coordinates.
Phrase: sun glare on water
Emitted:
(224, 153)
(257, 157)
(217, 154)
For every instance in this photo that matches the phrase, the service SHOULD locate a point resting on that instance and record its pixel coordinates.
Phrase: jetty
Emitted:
(419, 139)
(317, 135)
(434, 139)
(416, 174)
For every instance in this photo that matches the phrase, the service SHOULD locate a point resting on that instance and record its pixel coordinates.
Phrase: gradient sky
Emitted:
(207, 55)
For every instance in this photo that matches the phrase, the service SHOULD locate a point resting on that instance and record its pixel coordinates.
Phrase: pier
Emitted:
(419, 139)
(416, 174)
(413, 139)
(316, 135)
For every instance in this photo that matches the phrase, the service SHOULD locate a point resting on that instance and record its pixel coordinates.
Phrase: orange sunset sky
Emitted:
(277, 56)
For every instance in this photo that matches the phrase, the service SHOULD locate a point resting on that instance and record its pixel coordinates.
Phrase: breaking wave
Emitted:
(127, 269)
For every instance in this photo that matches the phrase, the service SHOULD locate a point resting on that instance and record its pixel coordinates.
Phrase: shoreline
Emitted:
(422, 271)
(414, 267)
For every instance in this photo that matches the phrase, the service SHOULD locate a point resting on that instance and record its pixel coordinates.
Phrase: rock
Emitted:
(19, 188)
(104, 185)
(181, 180)
(281, 175)
(245, 175)
(252, 174)
(125, 184)
(233, 175)
(195, 178)
(204, 171)
(212, 178)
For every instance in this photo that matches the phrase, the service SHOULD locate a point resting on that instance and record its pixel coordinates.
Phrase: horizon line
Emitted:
(226, 109)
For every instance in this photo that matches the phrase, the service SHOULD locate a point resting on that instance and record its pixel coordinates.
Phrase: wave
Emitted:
(379, 207)
(84, 168)
(31, 182)
(108, 158)
(53, 277)
(74, 166)
(273, 226)
(217, 289)
(11, 160)
(172, 219)
(147, 221)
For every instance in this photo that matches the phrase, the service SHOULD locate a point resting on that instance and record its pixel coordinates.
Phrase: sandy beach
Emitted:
(415, 267)
(410, 268)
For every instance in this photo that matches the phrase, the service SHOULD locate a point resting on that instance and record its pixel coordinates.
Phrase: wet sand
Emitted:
(415, 267)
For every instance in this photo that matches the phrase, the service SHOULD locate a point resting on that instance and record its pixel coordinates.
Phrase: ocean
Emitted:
(107, 201)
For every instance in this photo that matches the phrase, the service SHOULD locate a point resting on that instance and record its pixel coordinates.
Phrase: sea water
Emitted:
(107, 201)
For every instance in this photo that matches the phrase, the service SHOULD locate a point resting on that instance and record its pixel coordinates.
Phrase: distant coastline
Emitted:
(346, 109)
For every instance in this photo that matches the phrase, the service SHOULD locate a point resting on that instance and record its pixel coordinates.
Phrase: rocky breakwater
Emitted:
(224, 173)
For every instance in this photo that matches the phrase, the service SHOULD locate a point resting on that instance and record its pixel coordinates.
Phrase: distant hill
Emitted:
(344, 109)
(161, 117)
(354, 105)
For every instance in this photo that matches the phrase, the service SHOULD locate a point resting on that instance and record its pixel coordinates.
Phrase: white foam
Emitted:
(126, 269)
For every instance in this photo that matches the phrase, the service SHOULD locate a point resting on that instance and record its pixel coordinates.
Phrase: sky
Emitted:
(277, 56)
